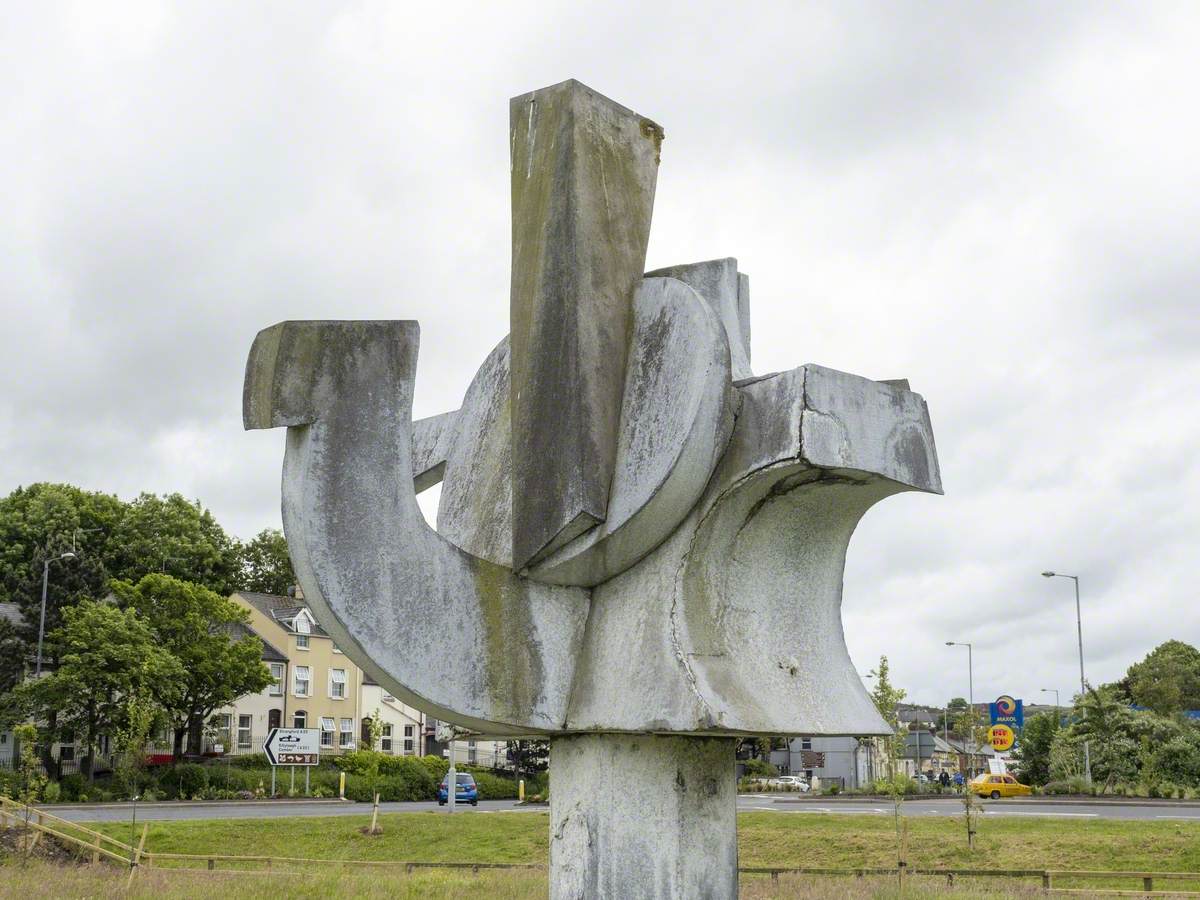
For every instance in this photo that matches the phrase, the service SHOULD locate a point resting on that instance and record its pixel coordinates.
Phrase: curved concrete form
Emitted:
(459, 636)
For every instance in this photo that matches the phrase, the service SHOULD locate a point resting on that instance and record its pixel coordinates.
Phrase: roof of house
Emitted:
(11, 612)
(270, 652)
(282, 609)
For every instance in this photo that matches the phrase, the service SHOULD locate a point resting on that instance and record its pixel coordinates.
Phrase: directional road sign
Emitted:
(293, 746)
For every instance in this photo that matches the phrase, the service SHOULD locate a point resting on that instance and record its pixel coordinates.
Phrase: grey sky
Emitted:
(1000, 202)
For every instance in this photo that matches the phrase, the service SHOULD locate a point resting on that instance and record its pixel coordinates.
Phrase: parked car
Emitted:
(467, 791)
(792, 783)
(997, 786)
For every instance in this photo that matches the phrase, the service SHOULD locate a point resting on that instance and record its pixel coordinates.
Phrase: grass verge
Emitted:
(765, 839)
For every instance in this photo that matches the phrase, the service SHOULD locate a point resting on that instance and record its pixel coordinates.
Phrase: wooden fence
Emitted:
(98, 845)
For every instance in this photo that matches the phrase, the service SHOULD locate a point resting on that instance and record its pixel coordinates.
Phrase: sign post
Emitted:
(445, 733)
(292, 747)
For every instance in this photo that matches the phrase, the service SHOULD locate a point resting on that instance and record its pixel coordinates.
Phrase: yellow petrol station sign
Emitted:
(1001, 737)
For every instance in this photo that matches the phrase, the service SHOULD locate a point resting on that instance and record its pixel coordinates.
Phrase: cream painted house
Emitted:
(315, 686)
(403, 726)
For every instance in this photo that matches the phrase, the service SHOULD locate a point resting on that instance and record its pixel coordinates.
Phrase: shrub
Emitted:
(149, 796)
(72, 786)
(191, 778)
(52, 792)
(1075, 785)
(492, 787)
(759, 768)
(391, 787)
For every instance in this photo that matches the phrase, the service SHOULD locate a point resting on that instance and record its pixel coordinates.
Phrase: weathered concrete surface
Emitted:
(583, 175)
(641, 816)
(676, 419)
(458, 636)
(721, 286)
(678, 526)
(433, 438)
(733, 625)
(475, 509)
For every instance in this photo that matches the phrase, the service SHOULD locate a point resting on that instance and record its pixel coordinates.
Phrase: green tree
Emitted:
(264, 564)
(529, 757)
(172, 535)
(1167, 680)
(207, 634)
(949, 718)
(51, 518)
(887, 697)
(109, 659)
(1033, 748)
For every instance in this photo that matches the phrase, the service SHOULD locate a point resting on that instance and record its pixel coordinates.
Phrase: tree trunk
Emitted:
(195, 735)
(52, 766)
(90, 757)
(177, 743)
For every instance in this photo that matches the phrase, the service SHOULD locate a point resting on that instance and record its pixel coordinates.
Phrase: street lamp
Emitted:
(970, 690)
(45, 584)
(1087, 758)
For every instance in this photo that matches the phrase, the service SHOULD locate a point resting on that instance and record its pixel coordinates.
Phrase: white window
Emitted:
(408, 731)
(275, 689)
(805, 743)
(326, 731)
(302, 681)
(472, 753)
(346, 739)
(385, 742)
(337, 684)
(245, 727)
(299, 719)
(302, 642)
(408, 746)
(302, 623)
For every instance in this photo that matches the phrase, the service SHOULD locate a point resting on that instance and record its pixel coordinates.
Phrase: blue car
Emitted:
(467, 791)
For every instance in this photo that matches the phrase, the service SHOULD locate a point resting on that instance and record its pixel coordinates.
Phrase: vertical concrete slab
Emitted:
(584, 170)
(643, 816)
(720, 284)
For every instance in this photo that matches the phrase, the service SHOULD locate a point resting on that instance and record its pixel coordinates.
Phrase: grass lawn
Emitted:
(765, 839)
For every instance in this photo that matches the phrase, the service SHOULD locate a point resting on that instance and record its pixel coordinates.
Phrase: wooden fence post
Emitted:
(1148, 883)
(1045, 881)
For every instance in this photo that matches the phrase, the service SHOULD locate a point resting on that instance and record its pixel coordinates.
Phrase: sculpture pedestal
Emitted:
(640, 816)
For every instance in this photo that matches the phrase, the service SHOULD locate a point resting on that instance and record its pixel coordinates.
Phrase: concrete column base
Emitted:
(641, 816)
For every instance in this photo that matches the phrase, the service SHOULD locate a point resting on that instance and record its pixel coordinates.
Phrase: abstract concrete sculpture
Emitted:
(640, 544)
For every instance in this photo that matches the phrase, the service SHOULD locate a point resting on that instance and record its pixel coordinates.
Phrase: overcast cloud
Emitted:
(1000, 202)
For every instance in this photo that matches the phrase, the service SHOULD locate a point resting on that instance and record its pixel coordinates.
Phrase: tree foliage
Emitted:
(206, 632)
(886, 698)
(1033, 748)
(265, 565)
(1167, 680)
(109, 659)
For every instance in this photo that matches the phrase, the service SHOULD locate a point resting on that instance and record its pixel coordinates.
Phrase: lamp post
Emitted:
(1087, 757)
(970, 693)
(45, 586)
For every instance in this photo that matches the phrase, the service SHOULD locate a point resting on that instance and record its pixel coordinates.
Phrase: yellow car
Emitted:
(997, 786)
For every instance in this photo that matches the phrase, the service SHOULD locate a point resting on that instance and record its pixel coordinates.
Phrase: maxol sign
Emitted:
(1007, 711)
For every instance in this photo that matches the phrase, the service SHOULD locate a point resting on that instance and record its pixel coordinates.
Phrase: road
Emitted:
(789, 805)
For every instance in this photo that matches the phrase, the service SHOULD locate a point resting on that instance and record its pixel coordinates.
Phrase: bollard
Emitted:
(521, 790)
(342, 786)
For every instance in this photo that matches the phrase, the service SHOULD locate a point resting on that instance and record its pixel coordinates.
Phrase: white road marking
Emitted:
(1013, 812)
(1177, 817)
